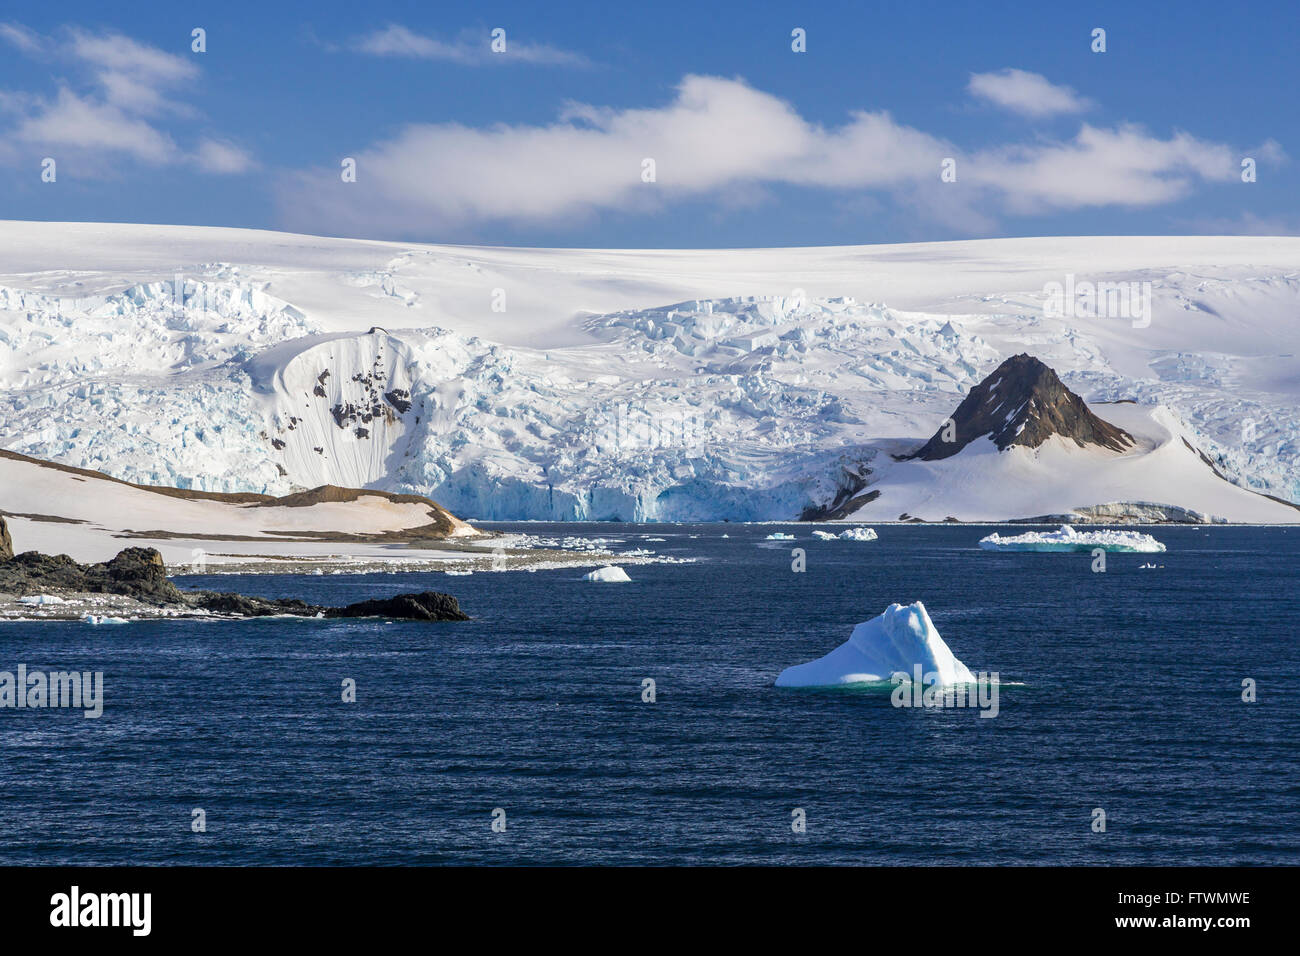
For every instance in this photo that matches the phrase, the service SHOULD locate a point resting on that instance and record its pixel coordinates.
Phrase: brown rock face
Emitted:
(6, 542)
(1022, 402)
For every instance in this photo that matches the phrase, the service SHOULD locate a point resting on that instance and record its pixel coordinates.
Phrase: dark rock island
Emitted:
(139, 574)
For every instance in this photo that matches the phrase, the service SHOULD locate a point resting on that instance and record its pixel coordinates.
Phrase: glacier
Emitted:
(325, 362)
(897, 641)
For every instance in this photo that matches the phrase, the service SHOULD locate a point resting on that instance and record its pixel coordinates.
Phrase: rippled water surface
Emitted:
(1131, 703)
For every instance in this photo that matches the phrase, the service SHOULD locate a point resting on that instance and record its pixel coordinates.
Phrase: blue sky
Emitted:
(753, 144)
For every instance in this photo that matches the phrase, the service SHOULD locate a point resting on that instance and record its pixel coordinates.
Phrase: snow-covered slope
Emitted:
(60, 510)
(1059, 479)
(528, 383)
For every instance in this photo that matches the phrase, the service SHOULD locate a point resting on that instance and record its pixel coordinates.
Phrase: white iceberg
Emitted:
(97, 619)
(609, 575)
(898, 641)
(35, 599)
(1067, 539)
(779, 536)
(852, 534)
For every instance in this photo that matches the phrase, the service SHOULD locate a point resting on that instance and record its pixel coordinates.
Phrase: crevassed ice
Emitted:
(740, 409)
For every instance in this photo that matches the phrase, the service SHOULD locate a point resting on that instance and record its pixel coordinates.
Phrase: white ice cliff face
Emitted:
(742, 409)
(897, 642)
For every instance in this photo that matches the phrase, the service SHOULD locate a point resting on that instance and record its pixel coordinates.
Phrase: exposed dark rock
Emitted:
(6, 542)
(241, 605)
(1022, 402)
(136, 572)
(400, 399)
(139, 573)
(426, 606)
(849, 497)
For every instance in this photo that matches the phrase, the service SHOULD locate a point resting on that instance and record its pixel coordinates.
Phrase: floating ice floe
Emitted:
(33, 599)
(852, 534)
(899, 641)
(608, 575)
(98, 619)
(779, 536)
(1067, 539)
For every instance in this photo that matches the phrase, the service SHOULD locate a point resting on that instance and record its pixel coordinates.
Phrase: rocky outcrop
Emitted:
(6, 542)
(426, 606)
(849, 496)
(139, 573)
(1125, 512)
(1022, 402)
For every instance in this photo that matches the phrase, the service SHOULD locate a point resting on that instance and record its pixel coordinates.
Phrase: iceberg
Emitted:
(1067, 539)
(852, 534)
(779, 536)
(898, 641)
(608, 575)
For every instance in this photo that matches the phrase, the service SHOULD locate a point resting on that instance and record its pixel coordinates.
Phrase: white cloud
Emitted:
(21, 37)
(468, 49)
(1245, 224)
(113, 114)
(1124, 166)
(1029, 94)
(84, 125)
(720, 138)
(222, 157)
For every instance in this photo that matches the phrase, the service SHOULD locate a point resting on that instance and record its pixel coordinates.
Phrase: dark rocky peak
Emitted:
(1022, 402)
(6, 543)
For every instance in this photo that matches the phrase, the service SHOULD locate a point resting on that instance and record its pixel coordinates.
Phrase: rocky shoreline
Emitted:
(139, 576)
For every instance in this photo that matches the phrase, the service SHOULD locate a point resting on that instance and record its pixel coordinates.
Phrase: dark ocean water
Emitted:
(1131, 702)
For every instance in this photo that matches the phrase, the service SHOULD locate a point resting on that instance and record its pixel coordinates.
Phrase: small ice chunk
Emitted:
(98, 619)
(609, 575)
